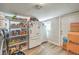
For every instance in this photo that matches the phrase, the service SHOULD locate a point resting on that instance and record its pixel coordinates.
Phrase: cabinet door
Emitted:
(33, 42)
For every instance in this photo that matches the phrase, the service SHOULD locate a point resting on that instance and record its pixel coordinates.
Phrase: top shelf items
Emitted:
(19, 24)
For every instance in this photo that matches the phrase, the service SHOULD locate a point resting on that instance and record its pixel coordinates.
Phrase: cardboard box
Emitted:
(73, 44)
(73, 36)
(73, 47)
(74, 27)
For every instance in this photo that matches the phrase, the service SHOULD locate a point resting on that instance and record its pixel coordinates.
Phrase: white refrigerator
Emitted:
(34, 34)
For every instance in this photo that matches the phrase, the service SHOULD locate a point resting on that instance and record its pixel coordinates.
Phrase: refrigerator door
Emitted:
(3, 47)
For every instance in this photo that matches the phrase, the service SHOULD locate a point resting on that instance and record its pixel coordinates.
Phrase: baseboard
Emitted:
(53, 43)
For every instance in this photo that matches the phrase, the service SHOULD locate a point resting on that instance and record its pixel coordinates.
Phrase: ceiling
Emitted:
(48, 10)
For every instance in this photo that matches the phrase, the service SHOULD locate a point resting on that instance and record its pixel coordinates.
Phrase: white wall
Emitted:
(43, 33)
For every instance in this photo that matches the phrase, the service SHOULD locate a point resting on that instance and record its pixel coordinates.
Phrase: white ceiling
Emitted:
(47, 11)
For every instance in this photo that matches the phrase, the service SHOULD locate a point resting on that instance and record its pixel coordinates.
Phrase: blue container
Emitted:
(65, 40)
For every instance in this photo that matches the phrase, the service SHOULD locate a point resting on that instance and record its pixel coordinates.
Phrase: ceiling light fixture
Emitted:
(39, 5)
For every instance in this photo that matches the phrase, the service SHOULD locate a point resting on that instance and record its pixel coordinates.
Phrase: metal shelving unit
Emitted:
(14, 37)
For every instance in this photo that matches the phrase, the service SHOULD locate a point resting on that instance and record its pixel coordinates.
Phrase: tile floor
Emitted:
(47, 49)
